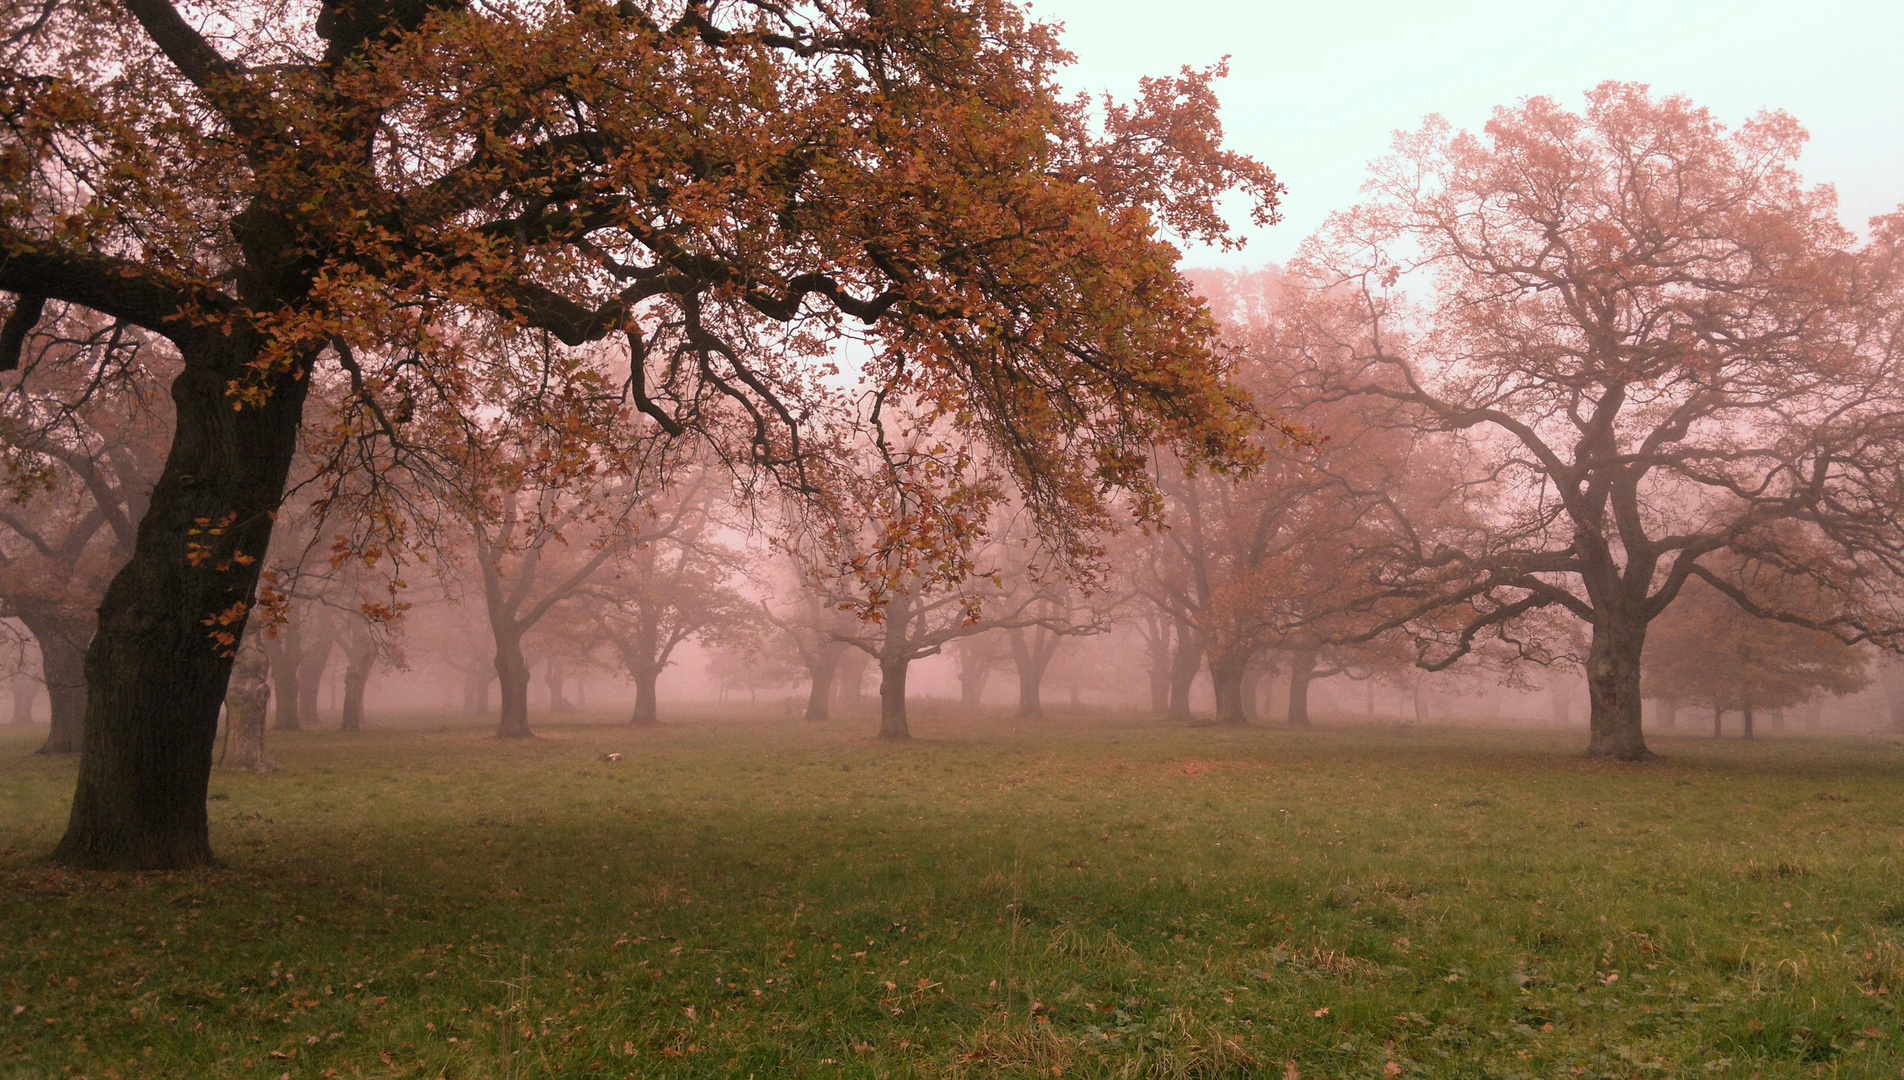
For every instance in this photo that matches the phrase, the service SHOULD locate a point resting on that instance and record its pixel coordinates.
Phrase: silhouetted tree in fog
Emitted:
(1658, 346)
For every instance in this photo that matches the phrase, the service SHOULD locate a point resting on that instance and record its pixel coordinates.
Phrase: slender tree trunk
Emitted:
(1668, 713)
(1185, 662)
(26, 691)
(245, 701)
(1302, 669)
(822, 663)
(1718, 722)
(1613, 687)
(892, 699)
(512, 673)
(647, 709)
(155, 675)
(1746, 716)
(1226, 678)
(362, 659)
(63, 672)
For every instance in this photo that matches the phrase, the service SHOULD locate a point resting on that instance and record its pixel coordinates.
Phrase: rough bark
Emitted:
(892, 698)
(1613, 687)
(246, 697)
(1184, 662)
(1302, 670)
(155, 676)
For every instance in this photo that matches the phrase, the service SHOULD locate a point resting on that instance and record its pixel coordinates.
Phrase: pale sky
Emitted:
(1316, 88)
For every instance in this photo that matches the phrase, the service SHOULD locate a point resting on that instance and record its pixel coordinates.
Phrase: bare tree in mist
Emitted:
(81, 430)
(1278, 558)
(654, 595)
(1658, 347)
(817, 629)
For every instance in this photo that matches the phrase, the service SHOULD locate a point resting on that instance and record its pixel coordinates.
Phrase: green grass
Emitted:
(1119, 899)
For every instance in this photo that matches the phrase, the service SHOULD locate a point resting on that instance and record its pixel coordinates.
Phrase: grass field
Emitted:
(736, 899)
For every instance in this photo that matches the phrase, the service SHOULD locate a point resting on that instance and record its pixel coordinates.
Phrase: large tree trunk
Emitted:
(1613, 688)
(63, 671)
(26, 691)
(245, 700)
(892, 699)
(1032, 662)
(822, 664)
(647, 711)
(1746, 718)
(158, 666)
(362, 660)
(1302, 670)
(1226, 678)
(512, 673)
(1184, 663)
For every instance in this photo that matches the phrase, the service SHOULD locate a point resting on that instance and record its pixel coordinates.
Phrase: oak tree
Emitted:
(716, 187)
(1659, 348)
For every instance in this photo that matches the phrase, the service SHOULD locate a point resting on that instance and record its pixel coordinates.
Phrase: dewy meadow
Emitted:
(720, 538)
